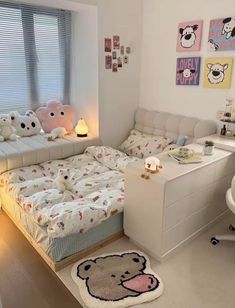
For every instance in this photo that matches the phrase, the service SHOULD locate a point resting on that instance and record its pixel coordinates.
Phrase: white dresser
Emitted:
(172, 207)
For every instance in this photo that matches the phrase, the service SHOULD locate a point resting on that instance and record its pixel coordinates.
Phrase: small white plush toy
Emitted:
(152, 165)
(7, 131)
(58, 132)
(25, 125)
(62, 181)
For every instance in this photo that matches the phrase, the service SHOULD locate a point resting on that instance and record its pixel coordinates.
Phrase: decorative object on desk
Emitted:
(229, 133)
(222, 34)
(25, 125)
(189, 36)
(218, 73)
(119, 279)
(7, 130)
(223, 130)
(188, 71)
(107, 44)
(58, 132)
(81, 128)
(54, 115)
(152, 165)
(185, 157)
(208, 147)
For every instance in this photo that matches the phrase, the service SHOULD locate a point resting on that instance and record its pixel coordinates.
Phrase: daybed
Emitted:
(65, 227)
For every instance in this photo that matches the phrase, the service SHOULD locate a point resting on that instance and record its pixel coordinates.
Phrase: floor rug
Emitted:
(116, 280)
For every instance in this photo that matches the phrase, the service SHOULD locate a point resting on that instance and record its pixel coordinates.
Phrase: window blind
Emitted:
(34, 56)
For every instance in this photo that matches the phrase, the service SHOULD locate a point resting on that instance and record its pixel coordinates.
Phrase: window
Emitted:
(34, 56)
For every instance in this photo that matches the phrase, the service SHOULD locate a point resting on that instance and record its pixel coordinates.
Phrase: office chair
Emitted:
(230, 200)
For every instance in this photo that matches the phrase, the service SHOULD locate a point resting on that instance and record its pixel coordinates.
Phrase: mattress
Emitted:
(65, 223)
(59, 248)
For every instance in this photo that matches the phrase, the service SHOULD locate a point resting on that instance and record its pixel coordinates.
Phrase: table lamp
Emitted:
(81, 128)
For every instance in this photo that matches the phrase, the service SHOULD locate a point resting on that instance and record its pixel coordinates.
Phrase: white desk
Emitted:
(220, 142)
(175, 205)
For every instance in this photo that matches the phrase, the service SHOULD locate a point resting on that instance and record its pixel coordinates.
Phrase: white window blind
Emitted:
(34, 56)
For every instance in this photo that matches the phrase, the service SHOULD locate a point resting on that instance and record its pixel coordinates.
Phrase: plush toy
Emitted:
(56, 115)
(7, 131)
(152, 165)
(25, 125)
(58, 132)
(62, 181)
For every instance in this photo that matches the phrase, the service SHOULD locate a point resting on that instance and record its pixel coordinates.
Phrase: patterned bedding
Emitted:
(97, 190)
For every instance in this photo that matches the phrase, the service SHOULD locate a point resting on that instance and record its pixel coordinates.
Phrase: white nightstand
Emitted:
(175, 205)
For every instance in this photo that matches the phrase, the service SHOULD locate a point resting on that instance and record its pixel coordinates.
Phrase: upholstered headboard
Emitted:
(173, 125)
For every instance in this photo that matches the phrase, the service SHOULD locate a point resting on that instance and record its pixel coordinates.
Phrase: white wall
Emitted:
(119, 92)
(158, 90)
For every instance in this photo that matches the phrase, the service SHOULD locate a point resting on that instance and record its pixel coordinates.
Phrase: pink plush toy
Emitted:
(56, 115)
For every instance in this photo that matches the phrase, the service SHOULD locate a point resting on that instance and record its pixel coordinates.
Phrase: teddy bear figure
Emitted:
(7, 131)
(62, 181)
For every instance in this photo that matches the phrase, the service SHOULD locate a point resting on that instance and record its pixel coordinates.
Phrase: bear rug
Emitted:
(116, 280)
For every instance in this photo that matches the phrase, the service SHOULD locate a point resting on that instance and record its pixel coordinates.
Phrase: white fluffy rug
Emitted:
(116, 280)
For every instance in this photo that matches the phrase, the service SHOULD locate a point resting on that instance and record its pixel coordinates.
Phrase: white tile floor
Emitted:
(199, 276)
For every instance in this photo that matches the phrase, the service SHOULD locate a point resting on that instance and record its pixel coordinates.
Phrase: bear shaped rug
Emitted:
(116, 280)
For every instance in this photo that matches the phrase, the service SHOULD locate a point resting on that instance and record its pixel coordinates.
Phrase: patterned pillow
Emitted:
(143, 145)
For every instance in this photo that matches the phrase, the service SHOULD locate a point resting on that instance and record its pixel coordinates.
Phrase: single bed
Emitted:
(65, 228)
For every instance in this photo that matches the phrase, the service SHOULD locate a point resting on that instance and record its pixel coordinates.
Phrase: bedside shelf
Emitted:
(222, 142)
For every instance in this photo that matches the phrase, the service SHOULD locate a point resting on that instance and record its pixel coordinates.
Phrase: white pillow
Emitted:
(143, 145)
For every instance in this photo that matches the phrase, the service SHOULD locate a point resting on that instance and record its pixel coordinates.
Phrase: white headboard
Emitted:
(173, 125)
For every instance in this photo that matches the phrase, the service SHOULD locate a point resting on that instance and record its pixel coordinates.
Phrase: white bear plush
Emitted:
(7, 131)
(62, 181)
(26, 125)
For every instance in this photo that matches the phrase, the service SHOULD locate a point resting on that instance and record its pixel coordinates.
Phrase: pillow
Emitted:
(143, 145)
(25, 125)
(56, 115)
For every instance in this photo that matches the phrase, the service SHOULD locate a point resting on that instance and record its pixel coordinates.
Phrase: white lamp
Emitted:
(81, 128)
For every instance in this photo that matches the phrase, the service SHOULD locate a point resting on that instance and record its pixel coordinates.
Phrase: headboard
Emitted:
(173, 125)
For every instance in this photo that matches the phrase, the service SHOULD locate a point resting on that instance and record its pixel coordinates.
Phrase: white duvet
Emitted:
(98, 190)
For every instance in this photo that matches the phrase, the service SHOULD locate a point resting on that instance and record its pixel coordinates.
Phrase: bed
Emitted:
(63, 228)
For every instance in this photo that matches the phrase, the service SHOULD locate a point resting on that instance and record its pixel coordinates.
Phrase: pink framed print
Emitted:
(189, 36)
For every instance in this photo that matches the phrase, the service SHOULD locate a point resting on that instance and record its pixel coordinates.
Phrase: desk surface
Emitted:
(172, 169)
(220, 142)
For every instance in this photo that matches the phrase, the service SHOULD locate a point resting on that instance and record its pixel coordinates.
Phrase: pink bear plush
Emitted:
(56, 115)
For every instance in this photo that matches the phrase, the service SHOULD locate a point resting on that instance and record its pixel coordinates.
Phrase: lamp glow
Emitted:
(81, 128)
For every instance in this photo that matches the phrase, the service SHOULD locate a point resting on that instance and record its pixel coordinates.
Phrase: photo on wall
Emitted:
(107, 45)
(108, 62)
(188, 71)
(222, 34)
(189, 36)
(218, 73)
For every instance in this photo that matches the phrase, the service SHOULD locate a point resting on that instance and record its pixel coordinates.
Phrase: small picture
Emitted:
(107, 45)
(222, 34)
(119, 62)
(122, 50)
(188, 71)
(108, 62)
(189, 36)
(218, 73)
(126, 59)
(128, 50)
(115, 67)
(116, 42)
(114, 55)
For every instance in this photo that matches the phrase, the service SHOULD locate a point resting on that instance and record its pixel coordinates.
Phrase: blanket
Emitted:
(97, 190)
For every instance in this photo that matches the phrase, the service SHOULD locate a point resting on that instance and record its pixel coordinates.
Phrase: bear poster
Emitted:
(189, 36)
(222, 34)
(218, 73)
(188, 71)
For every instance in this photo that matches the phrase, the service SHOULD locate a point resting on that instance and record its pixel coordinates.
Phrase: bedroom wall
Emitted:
(158, 90)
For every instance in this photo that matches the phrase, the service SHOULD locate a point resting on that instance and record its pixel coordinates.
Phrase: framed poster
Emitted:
(188, 71)
(189, 36)
(222, 34)
(218, 73)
